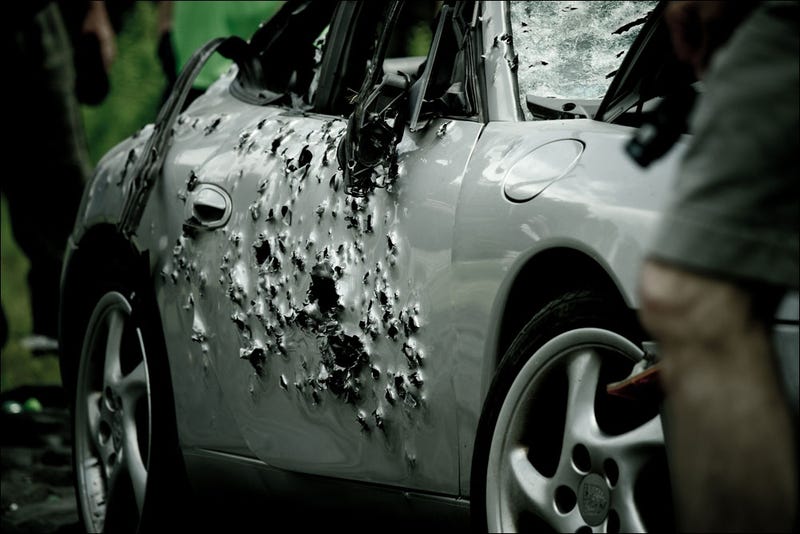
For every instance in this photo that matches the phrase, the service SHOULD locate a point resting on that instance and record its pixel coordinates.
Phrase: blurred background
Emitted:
(137, 84)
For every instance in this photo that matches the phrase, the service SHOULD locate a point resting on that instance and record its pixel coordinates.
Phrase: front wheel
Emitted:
(554, 451)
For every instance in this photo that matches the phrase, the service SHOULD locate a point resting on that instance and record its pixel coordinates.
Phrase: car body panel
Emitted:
(355, 338)
(260, 281)
(604, 207)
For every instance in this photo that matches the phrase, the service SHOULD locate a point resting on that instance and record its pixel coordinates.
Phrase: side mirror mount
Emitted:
(367, 154)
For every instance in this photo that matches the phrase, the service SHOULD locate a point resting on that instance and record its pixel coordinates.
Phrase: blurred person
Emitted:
(49, 147)
(185, 26)
(726, 254)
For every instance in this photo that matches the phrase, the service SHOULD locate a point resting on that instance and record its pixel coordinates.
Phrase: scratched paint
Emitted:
(312, 291)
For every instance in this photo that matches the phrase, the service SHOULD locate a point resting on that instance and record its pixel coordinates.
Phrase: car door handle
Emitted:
(208, 207)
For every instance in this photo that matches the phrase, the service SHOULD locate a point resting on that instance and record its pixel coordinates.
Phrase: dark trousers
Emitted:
(47, 155)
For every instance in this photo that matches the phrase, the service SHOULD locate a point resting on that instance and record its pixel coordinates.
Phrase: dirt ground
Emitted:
(36, 490)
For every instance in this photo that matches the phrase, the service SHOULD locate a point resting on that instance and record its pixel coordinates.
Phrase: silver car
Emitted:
(358, 284)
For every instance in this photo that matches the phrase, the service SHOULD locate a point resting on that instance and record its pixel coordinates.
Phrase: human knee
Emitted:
(679, 307)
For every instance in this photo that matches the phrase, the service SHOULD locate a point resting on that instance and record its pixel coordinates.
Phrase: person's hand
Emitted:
(699, 27)
(98, 24)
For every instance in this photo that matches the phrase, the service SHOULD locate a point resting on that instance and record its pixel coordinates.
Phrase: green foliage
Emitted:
(137, 84)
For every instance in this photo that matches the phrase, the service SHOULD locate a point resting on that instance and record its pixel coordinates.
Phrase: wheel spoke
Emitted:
(570, 522)
(133, 459)
(632, 449)
(116, 324)
(534, 490)
(625, 506)
(94, 416)
(133, 385)
(583, 372)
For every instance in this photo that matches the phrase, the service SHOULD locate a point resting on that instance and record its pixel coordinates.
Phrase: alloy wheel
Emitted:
(112, 418)
(561, 455)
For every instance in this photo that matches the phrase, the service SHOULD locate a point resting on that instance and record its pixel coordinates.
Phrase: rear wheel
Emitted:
(554, 451)
(128, 468)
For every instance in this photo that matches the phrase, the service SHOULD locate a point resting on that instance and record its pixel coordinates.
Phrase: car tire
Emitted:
(553, 451)
(128, 468)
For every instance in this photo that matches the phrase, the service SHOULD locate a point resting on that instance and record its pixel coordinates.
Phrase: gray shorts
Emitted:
(736, 206)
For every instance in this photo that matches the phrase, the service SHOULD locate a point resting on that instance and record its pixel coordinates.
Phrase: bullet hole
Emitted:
(255, 210)
(376, 373)
(198, 332)
(390, 396)
(242, 141)
(289, 166)
(286, 214)
(240, 320)
(348, 351)
(322, 289)
(442, 131)
(506, 38)
(315, 397)
(513, 63)
(282, 244)
(213, 126)
(411, 355)
(191, 181)
(392, 331)
(368, 229)
(362, 420)
(256, 355)
(298, 262)
(411, 459)
(416, 379)
(271, 215)
(390, 242)
(236, 293)
(262, 185)
(400, 385)
(283, 382)
(305, 157)
(334, 183)
(261, 123)
(379, 421)
(262, 251)
(276, 143)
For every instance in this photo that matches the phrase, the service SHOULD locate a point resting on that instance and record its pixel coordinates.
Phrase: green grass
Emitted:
(136, 87)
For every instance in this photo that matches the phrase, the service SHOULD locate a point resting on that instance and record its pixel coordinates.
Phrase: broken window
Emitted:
(571, 50)
(285, 55)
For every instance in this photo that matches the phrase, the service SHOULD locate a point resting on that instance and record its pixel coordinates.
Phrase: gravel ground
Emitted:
(36, 491)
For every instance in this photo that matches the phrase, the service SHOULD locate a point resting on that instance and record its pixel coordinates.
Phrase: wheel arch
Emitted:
(542, 277)
(101, 253)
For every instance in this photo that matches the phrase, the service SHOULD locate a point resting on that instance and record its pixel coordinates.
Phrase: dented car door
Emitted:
(324, 317)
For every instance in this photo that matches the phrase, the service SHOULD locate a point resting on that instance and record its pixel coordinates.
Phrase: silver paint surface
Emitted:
(356, 337)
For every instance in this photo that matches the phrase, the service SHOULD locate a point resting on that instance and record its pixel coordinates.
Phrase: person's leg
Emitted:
(52, 160)
(729, 431)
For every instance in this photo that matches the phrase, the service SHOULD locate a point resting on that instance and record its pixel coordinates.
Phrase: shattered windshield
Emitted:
(573, 49)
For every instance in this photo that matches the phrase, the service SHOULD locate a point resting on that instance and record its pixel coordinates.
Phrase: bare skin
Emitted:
(96, 22)
(729, 429)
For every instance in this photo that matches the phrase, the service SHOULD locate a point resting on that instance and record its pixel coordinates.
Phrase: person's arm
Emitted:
(98, 23)
(699, 27)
